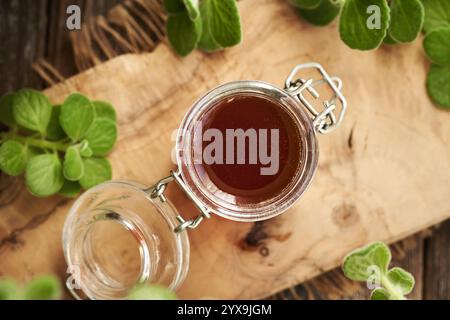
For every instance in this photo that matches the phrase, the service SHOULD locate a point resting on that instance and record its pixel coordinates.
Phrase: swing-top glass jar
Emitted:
(246, 151)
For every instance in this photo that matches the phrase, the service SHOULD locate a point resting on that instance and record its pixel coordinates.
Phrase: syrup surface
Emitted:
(245, 181)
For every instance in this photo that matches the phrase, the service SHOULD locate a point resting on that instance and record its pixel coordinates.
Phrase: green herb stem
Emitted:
(393, 291)
(33, 142)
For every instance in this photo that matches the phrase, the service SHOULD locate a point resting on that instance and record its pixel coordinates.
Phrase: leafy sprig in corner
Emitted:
(59, 149)
(209, 25)
(400, 21)
(41, 288)
(48, 287)
(366, 24)
(371, 265)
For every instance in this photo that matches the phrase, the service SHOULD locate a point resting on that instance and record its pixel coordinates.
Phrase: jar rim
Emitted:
(264, 210)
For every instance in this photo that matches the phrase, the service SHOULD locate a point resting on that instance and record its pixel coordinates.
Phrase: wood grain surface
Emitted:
(382, 176)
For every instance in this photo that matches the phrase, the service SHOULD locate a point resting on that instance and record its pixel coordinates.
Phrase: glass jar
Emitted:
(116, 235)
(120, 233)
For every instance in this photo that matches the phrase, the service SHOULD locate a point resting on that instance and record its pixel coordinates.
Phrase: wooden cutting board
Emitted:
(382, 176)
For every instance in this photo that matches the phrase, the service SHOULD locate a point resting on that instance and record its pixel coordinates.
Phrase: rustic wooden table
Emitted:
(34, 29)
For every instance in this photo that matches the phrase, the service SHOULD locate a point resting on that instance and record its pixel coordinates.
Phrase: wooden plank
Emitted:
(370, 162)
(34, 29)
(22, 35)
(437, 265)
(60, 51)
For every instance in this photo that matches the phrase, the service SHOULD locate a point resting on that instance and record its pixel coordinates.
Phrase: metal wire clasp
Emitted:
(324, 120)
(157, 192)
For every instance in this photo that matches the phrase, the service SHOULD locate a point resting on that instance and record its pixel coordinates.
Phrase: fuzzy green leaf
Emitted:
(77, 116)
(32, 110)
(437, 14)
(389, 40)
(174, 6)
(401, 279)
(104, 110)
(324, 14)
(207, 42)
(6, 110)
(183, 33)
(306, 4)
(151, 292)
(356, 17)
(358, 263)
(96, 171)
(380, 294)
(85, 150)
(70, 189)
(43, 288)
(102, 136)
(13, 158)
(9, 290)
(54, 130)
(407, 17)
(192, 8)
(438, 85)
(73, 168)
(43, 175)
(437, 46)
(223, 22)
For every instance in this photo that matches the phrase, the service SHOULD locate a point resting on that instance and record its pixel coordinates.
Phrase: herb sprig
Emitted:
(48, 287)
(59, 149)
(209, 25)
(371, 265)
(40, 288)
(400, 21)
(437, 47)
(151, 292)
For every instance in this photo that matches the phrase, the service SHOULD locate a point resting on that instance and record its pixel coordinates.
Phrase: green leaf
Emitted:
(6, 110)
(32, 110)
(102, 136)
(43, 288)
(70, 189)
(13, 158)
(437, 46)
(104, 110)
(96, 171)
(9, 290)
(151, 292)
(380, 294)
(73, 168)
(207, 42)
(438, 85)
(85, 150)
(43, 175)
(357, 265)
(192, 8)
(355, 21)
(183, 33)
(437, 14)
(54, 130)
(174, 6)
(401, 279)
(223, 22)
(324, 14)
(407, 18)
(389, 40)
(306, 4)
(77, 116)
